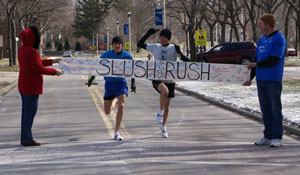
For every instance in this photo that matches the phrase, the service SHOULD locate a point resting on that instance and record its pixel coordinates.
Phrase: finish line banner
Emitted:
(157, 70)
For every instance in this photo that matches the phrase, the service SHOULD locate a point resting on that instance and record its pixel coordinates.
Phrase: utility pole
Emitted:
(129, 13)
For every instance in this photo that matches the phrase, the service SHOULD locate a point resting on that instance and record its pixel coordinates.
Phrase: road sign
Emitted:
(126, 45)
(201, 37)
(95, 43)
(105, 39)
(126, 29)
(101, 46)
(92, 48)
(159, 17)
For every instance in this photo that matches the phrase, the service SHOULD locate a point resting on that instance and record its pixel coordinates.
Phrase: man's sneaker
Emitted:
(276, 143)
(159, 118)
(118, 137)
(263, 141)
(164, 132)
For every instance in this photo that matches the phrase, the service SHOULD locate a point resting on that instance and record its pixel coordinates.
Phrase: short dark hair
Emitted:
(117, 39)
(268, 19)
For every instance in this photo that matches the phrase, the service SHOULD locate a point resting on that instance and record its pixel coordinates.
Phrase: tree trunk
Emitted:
(14, 43)
(223, 31)
(230, 36)
(9, 25)
(236, 33)
(192, 43)
(298, 37)
(211, 35)
(187, 42)
(254, 32)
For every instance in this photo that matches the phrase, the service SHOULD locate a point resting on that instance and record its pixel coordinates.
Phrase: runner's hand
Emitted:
(133, 86)
(90, 81)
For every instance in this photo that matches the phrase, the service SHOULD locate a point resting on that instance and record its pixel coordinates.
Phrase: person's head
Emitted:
(266, 23)
(165, 36)
(31, 37)
(117, 44)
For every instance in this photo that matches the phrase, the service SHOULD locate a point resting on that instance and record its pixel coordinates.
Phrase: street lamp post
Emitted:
(17, 39)
(129, 13)
(118, 27)
(107, 38)
(97, 45)
(165, 22)
(93, 46)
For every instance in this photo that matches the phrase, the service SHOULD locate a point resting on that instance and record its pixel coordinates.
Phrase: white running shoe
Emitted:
(276, 143)
(118, 136)
(164, 132)
(159, 118)
(263, 141)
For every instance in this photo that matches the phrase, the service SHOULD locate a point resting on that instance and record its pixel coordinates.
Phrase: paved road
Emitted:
(291, 73)
(77, 138)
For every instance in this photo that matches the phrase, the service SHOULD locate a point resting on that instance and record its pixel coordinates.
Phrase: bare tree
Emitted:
(42, 14)
(270, 6)
(234, 10)
(210, 20)
(190, 9)
(253, 13)
(215, 7)
(9, 7)
(295, 4)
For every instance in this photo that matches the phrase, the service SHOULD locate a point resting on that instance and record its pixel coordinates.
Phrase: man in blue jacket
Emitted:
(270, 53)
(115, 87)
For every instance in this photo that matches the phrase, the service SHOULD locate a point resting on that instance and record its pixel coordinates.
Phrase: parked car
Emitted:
(67, 54)
(291, 52)
(233, 53)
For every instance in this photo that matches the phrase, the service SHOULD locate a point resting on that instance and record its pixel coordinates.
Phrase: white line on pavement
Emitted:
(158, 161)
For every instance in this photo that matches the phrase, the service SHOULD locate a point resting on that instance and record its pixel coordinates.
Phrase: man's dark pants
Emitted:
(269, 94)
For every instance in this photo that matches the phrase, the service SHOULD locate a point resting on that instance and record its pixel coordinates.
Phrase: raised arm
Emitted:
(150, 32)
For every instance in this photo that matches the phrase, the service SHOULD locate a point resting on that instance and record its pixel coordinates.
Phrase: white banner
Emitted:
(157, 70)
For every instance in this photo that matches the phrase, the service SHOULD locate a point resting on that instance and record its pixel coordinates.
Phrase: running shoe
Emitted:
(263, 141)
(159, 118)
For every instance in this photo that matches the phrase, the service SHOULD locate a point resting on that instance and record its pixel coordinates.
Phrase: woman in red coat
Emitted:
(30, 82)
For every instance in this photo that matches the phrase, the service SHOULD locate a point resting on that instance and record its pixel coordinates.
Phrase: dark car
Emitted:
(233, 53)
(291, 52)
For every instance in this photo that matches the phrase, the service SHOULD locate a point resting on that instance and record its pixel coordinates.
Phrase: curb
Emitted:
(5, 90)
(257, 117)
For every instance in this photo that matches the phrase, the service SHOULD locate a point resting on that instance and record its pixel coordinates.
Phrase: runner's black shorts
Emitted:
(170, 86)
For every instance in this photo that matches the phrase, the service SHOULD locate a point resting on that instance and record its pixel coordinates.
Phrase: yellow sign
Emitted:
(126, 45)
(201, 37)
(92, 48)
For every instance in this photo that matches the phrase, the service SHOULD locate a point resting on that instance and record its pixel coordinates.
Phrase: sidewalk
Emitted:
(10, 79)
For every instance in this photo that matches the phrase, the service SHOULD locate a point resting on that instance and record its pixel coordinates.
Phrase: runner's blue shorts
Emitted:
(114, 89)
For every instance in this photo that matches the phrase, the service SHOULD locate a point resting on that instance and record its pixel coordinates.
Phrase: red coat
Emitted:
(32, 67)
